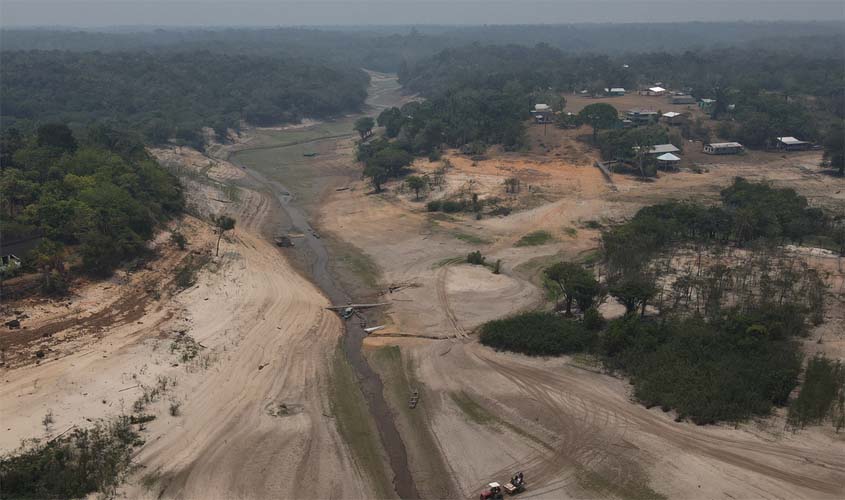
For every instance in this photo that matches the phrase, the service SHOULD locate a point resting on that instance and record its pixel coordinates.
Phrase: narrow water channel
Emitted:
(318, 255)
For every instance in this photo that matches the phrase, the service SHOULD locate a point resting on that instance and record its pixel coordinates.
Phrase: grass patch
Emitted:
(361, 265)
(470, 238)
(471, 409)
(354, 424)
(534, 239)
(822, 395)
(448, 261)
(570, 231)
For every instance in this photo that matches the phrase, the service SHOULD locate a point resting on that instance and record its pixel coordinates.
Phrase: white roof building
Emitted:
(657, 89)
(541, 107)
(791, 141)
(671, 114)
(668, 157)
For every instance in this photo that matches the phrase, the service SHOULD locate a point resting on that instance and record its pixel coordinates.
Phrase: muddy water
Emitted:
(317, 254)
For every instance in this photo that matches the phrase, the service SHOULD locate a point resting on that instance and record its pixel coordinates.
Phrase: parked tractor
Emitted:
(495, 491)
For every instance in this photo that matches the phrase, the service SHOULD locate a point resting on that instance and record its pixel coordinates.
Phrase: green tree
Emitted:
(56, 135)
(574, 284)
(223, 223)
(634, 291)
(599, 116)
(392, 120)
(364, 126)
(416, 183)
(377, 174)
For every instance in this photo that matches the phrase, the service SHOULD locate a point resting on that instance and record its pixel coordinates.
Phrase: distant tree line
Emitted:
(100, 195)
(760, 93)
(172, 95)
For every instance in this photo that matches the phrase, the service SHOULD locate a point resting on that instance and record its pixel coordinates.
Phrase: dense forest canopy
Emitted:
(101, 193)
(172, 94)
(383, 48)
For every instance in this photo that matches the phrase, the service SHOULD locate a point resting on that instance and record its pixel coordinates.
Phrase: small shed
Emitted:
(682, 99)
(723, 148)
(615, 91)
(542, 113)
(706, 105)
(668, 160)
(791, 144)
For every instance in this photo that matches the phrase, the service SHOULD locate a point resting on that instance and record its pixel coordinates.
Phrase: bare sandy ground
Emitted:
(265, 340)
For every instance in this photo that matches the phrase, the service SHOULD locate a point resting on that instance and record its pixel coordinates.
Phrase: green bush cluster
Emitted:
(102, 195)
(537, 334)
(707, 372)
(822, 395)
(448, 206)
(75, 465)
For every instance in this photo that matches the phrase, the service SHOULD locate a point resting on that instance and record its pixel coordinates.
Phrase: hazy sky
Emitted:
(361, 12)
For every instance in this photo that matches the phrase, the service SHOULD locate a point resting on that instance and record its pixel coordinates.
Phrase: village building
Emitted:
(673, 118)
(682, 99)
(656, 90)
(642, 116)
(543, 113)
(668, 161)
(707, 105)
(791, 144)
(723, 148)
(615, 91)
(660, 149)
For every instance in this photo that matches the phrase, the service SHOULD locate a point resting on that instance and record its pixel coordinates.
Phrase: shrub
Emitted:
(475, 258)
(433, 205)
(537, 334)
(71, 466)
(452, 206)
(821, 396)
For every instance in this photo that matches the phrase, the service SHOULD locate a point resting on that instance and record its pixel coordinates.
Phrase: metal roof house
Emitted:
(543, 113)
(790, 143)
(682, 99)
(641, 116)
(723, 148)
(615, 91)
(668, 160)
(660, 149)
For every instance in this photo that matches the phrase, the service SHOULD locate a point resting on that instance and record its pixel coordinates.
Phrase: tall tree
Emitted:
(574, 284)
(599, 116)
(223, 223)
(364, 126)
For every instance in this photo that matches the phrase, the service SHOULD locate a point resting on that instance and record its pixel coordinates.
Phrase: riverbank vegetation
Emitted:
(93, 201)
(715, 307)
